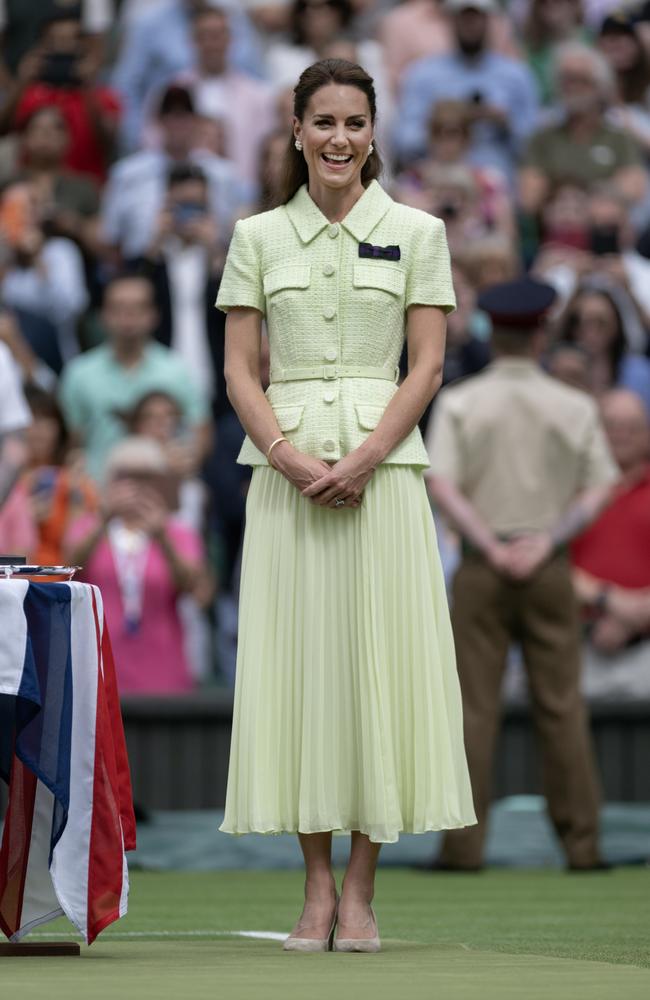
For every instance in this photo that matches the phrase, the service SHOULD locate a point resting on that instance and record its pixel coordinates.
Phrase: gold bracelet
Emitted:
(270, 449)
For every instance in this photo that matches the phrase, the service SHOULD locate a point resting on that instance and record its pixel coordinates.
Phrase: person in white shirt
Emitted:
(135, 192)
(14, 418)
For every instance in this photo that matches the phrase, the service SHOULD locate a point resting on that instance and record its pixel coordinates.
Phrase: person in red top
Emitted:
(60, 71)
(612, 558)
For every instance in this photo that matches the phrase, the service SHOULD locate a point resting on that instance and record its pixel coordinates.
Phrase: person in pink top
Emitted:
(142, 560)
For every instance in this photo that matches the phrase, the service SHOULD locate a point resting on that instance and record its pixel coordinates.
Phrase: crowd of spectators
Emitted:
(133, 134)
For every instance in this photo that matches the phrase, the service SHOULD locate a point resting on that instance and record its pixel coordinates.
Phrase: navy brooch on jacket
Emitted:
(379, 253)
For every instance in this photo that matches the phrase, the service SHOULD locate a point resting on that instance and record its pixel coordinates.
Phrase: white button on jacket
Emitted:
(322, 299)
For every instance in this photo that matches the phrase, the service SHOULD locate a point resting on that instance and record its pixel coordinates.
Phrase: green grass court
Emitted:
(501, 934)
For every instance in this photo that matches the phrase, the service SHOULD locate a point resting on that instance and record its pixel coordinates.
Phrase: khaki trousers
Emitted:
(489, 613)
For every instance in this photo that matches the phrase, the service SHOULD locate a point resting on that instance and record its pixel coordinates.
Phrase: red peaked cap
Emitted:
(518, 304)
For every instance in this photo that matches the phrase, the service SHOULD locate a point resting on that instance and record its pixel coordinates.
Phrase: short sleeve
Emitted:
(241, 283)
(442, 442)
(599, 468)
(429, 281)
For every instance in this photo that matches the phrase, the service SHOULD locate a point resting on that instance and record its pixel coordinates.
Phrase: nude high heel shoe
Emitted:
(314, 944)
(371, 944)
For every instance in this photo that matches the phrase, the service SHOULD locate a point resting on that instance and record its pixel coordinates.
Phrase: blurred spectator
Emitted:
(490, 260)
(452, 194)
(594, 239)
(58, 490)
(316, 25)
(21, 23)
(418, 28)
(184, 263)
(271, 167)
(270, 17)
(612, 561)
(582, 147)
(450, 140)
(61, 72)
(106, 381)
(69, 200)
(243, 105)
(136, 189)
(594, 321)
(210, 135)
(501, 91)
(28, 366)
(465, 352)
(43, 276)
(14, 418)
(547, 24)
(629, 60)
(143, 560)
(158, 415)
(570, 364)
(157, 46)
(564, 222)
(595, 10)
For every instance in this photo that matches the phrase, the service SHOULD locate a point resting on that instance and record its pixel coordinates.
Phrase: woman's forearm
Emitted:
(426, 328)
(404, 410)
(253, 409)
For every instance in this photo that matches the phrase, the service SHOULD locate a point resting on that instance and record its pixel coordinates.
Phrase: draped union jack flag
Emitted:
(62, 752)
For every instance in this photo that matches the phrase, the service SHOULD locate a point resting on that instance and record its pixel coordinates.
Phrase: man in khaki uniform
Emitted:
(520, 464)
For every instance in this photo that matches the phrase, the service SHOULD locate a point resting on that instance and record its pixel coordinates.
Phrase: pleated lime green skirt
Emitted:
(347, 711)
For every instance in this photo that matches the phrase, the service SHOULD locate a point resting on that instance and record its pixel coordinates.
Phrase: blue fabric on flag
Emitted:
(43, 740)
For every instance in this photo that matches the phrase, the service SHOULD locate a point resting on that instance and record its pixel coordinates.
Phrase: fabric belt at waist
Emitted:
(328, 372)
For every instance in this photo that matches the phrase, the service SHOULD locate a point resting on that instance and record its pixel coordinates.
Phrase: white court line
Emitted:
(259, 935)
(125, 935)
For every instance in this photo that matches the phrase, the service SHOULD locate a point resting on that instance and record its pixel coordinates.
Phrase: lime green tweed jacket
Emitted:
(329, 301)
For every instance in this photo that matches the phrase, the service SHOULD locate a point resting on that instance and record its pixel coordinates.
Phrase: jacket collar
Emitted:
(365, 214)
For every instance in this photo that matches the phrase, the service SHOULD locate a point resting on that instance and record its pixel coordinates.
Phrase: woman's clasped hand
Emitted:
(345, 480)
(324, 483)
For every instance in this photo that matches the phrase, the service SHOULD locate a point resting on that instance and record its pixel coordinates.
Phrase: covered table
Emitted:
(62, 752)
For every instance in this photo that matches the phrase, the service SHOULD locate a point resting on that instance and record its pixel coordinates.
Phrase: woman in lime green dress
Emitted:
(347, 709)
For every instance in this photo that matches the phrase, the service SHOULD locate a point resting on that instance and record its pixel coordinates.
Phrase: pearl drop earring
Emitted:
(371, 149)
(298, 144)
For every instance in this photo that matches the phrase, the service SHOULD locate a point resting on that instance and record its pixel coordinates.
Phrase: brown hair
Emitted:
(319, 75)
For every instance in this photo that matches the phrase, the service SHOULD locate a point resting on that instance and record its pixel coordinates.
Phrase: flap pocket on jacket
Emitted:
(384, 276)
(368, 415)
(287, 276)
(288, 416)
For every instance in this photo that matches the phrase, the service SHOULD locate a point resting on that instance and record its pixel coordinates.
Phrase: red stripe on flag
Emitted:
(119, 743)
(16, 839)
(106, 849)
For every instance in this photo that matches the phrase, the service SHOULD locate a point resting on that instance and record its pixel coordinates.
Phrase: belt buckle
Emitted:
(329, 372)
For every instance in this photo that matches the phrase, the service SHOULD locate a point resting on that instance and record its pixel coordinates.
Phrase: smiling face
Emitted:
(335, 132)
